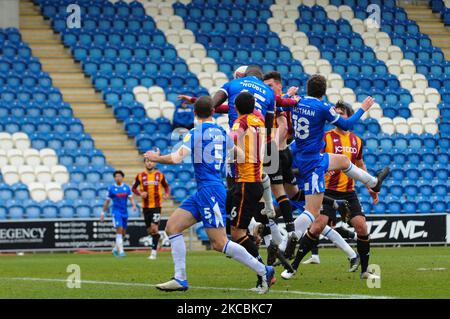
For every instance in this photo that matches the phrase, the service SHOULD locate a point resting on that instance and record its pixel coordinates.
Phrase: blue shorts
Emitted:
(120, 219)
(208, 205)
(312, 173)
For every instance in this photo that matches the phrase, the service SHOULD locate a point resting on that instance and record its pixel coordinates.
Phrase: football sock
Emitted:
(119, 243)
(337, 239)
(358, 174)
(275, 231)
(267, 194)
(286, 212)
(249, 246)
(344, 232)
(363, 247)
(306, 244)
(239, 253)
(179, 255)
(315, 249)
(302, 223)
(155, 240)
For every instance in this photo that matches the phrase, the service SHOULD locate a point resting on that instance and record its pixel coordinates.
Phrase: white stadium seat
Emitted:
(194, 65)
(21, 141)
(291, 11)
(37, 191)
(219, 78)
(312, 53)
(417, 111)
(348, 95)
(275, 24)
(167, 110)
(358, 25)
(401, 126)
(335, 81)
(209, 65)
(15, 157)
(323, 67)
(309, 3)
(187, 36)
(212, 90)
(183, 50)
(375, 112)
(48, 157)
(156, 94)
(346, 12)
(300, 39)
(431, 110)
(288, 26)
(382, 53)
(6, 142)
(430, 126)
(369, 39)
(205, 79)
(418, 95)
(26, 174)
(383, 39)
(10, 174)
(394, 67)
(176, 23)
(162, 22)
(298, 52)
(153, 112)
(332, 12)
(386, 125)
(277, 11)
(333, 95)
(286, 38)
(60, 174)
(395, 53)
(408, 66)
(197, 51)
(420, 81)
(415, 125)
(172, 36)
(309, 66)
(54, 192)
(3, 158)
(406, 81)
(432, 95)
(141, 94)
(43, 174)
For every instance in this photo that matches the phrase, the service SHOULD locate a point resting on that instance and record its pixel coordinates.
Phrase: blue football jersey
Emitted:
(264, 95)
(119, 196)
(208, 144)
(308, 119)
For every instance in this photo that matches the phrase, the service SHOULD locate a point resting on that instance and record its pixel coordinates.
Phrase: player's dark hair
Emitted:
(316, 86)
(254, 70)
(118, 172)
(347, 108)
(275, 75)
(203, 107)
(245, 103)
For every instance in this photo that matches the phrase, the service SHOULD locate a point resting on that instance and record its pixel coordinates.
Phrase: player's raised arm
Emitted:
(220, 97)
(172, 158)
(347, 124)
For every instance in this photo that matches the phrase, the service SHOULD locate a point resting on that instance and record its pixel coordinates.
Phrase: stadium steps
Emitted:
(87, 104)
(430, 24)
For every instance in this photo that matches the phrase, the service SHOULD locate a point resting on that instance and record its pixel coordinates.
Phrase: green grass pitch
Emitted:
(405, 273)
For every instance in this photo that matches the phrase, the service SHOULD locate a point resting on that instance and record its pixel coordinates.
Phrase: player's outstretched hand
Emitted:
(152, 155)
(185, 98)
(297, 97)
(134, 208)
(144, 194)
(292, 90)
(367, 104)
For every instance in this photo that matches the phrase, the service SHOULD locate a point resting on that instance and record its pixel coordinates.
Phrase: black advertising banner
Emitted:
(73, 234)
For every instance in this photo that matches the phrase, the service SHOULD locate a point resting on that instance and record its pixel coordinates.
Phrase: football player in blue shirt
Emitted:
(119, 193)
(207, 144)
(309, 117)
(265, 102)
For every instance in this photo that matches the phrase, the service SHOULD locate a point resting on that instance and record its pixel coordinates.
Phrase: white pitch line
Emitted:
(135, 284)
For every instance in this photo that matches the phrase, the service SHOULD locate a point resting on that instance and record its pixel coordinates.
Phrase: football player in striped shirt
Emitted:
(149, 185)
(340, 186)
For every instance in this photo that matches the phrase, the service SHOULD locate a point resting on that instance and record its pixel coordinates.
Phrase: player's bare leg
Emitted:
(343, 163)
(179, 221)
